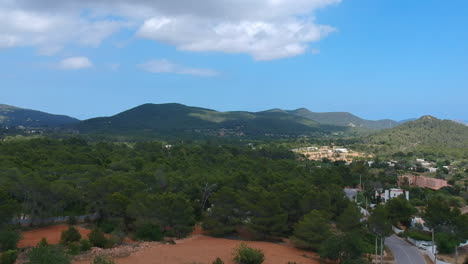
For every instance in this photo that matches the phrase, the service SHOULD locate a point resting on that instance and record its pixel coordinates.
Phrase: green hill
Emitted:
(424, 135)
(177, 120)
(11, 116)
(344, 119)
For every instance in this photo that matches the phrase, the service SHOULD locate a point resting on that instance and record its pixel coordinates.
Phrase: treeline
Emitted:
(149, 190)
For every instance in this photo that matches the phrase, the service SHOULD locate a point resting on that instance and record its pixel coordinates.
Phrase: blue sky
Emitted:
(375, 58)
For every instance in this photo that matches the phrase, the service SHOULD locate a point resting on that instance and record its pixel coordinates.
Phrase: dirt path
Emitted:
(204, 250)
(51, 233)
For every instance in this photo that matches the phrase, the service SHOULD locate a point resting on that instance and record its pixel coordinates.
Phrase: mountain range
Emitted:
(174, 120)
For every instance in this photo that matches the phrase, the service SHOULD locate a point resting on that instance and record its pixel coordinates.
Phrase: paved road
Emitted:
(403, 252)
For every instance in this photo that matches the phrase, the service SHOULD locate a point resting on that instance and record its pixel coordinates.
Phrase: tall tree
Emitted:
(311, 231)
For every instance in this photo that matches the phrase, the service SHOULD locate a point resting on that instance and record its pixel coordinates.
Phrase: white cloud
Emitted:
(75, 63)
(165, 66)
(264, 29)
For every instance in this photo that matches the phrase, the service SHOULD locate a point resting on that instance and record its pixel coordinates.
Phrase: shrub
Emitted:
(9, 257)
(70, 235)
(148, 232)
(85, 245)
(418, 234)
(108, 226)
(244, 254)
(47, 254)
(103, 260)
(97, 238)
(74, 248)
(218, 261)
(446, 243)
(9, 237)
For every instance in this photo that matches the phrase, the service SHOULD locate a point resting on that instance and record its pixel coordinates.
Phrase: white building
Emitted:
(392, 193)
(341, 150)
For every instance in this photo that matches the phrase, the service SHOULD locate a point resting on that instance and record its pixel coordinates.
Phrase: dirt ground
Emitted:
(51, 233)
(202, 249)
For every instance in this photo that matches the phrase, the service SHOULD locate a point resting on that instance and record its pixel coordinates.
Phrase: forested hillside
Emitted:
(427, 135)
(176, 120)
(11, 116)
(344, 119)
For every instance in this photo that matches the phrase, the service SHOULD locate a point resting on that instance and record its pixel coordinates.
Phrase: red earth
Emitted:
(51, 233)
(201, 249)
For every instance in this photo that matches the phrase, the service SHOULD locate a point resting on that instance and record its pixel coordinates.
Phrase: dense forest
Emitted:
(258, 192)
(427, 136)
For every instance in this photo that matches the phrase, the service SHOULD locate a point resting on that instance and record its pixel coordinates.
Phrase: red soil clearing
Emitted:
(204, 250)
(51, 233)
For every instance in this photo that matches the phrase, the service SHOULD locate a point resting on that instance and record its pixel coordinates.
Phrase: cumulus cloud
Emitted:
(165, 66)
(264, 29)
(75, 63)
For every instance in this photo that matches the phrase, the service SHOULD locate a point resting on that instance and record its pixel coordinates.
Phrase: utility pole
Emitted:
(381, 250)
(433, 250)
(456, 254)
(375, 250)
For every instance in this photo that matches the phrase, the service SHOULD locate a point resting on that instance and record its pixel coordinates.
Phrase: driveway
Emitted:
(403, 252)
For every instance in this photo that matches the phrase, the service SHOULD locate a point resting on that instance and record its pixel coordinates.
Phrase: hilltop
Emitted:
(11, 116)
(424, 135)
(177, 120)
(344, 119)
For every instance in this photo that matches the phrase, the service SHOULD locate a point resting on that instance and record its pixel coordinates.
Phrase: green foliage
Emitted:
(343, 248)
(97, 238)
(350, 219)
(46, 254)
(311, 231)
(109, 225)
(266, 217)
(9, 237)
(85, 245)
(224, 215)
(418, 235)
(8, 257)
(103, 260)
(244, 254)
(440, 216)
(400, 210)
(74, 248)
(446, 243)
(70, 235)
(218, 261)
(8, 207)
(426, 136)
(148, 231)
(379, 222)
(171, 210)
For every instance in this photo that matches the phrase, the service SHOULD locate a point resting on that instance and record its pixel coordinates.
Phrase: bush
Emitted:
(85, 245)
(9, 237)
(70, 235)
(244, 254)
(446, 243)
(47, 254)
(9, 257)
(218, 261)
(74, 248)
(148, 232)
(97, 238)
(108, 226)
(103, 260)
(418, 235)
